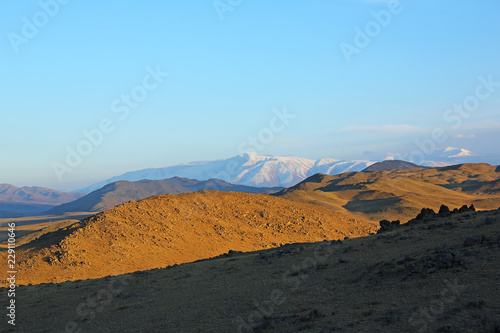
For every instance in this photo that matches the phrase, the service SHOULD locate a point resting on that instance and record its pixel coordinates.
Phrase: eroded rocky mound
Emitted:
(167, 230)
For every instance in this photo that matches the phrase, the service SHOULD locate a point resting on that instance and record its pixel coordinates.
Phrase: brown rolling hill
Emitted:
(119, 192)
(173, 229)
(436, 275)
(400, 194)
(391, 165)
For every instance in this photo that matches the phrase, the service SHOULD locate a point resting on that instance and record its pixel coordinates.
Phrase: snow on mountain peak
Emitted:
(462, 153)
(250, 169)
(254, 169)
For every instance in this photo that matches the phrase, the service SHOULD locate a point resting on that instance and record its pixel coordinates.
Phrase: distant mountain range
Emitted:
(249, 169)
(258, 170)
(120, 192)
(26, 201)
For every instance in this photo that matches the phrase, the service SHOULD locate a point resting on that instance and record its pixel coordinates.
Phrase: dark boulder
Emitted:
(444, 209)
(425, 213)
(463, 209)
(385, 225)
(472, 240)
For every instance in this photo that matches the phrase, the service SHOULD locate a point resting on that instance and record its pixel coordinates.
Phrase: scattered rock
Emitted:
(232, 252)
(443, 209)
(431, 270)
(385, 225)
(476, 304)
(349, 249)
(463, 209)
(442, 259)
(425, 213)
(306, 270)
(406, 259)
(472, 240)
(493, 240)
(315, 314)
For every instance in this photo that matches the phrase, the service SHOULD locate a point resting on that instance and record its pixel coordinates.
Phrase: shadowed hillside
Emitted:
(391, 165)
(437, 275)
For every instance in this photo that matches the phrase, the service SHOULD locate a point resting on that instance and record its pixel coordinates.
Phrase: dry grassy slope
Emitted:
(416, 278)
(119, 192)
(400, 194)
(167, 229)
(29, 228)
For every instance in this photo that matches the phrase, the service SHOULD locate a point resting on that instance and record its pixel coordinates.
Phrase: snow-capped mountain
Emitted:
(249, 169)
(253, 169)
(457, 152)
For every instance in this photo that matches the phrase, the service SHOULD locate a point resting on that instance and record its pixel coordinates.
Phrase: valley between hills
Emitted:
(311, 258)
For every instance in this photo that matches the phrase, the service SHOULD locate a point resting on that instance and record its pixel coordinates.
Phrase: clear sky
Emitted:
(357, 79)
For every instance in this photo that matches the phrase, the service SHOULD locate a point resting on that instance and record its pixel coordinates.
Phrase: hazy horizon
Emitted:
(93, 181)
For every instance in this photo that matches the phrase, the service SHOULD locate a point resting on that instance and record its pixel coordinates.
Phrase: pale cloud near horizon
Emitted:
(384, 128)
(449, 149)
(464, 136)
(484, 125)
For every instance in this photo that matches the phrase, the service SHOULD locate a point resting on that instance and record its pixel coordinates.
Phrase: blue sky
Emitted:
(231, 65)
